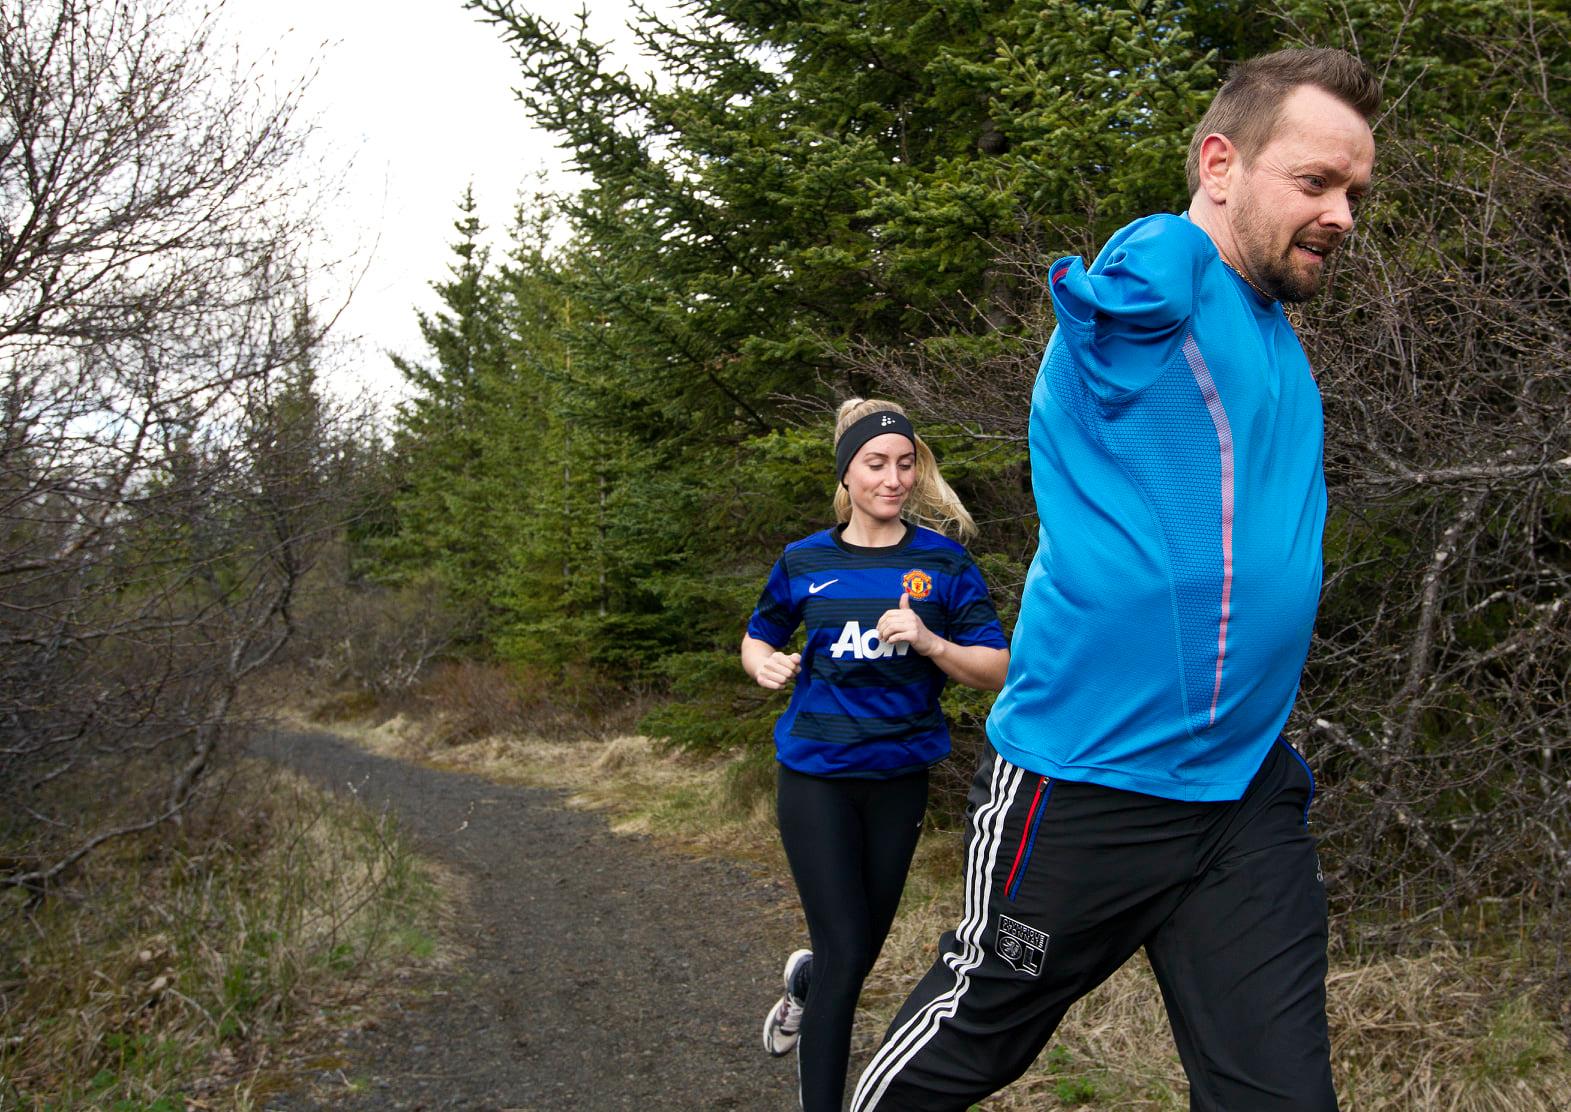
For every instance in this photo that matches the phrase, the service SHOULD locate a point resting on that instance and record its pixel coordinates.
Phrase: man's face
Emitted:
(1293, 204)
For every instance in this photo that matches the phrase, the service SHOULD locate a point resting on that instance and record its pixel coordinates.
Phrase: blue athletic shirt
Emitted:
(861, 708)
(1175, 449)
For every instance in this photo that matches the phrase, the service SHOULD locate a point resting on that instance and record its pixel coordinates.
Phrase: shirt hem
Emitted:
(1163, 787)
(863, 773)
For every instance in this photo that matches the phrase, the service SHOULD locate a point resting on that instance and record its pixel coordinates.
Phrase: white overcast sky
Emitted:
(417, 97)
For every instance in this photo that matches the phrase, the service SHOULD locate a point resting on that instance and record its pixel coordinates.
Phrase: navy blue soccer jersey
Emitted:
(861, 708)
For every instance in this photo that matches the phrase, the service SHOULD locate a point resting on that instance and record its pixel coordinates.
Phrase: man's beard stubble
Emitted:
(1282, 280)
(1274, 272)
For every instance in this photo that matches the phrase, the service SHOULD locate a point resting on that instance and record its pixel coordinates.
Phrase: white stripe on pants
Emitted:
(982, 857)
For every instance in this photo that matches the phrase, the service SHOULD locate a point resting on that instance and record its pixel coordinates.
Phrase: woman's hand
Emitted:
(903, 625)
(976, 666)
(770, 667)
(777, 670)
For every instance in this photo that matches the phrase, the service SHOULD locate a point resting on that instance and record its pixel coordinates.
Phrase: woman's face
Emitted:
(880, 476)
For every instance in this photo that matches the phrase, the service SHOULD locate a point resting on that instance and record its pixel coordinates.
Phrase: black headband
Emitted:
(864, 429)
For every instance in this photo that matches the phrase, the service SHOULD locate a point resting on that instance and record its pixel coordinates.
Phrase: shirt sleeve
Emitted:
(972, 619)
(777, 614)
(1127, 312)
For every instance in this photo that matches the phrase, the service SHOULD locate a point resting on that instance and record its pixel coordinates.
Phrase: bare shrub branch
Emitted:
(168, 471)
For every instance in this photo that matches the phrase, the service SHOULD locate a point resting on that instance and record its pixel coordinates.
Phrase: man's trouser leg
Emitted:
(1064, 881)
(1242, 960)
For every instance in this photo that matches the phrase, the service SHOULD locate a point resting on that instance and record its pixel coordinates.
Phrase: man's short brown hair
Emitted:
(1249, 104)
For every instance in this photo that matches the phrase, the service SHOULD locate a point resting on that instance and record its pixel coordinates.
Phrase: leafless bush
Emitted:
(1438, 699)
(476, 700)
(167, 468)
(384, 640)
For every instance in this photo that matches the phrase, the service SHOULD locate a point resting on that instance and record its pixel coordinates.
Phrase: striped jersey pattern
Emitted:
(860, 708)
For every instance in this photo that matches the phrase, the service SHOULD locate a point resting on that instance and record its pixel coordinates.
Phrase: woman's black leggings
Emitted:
(849, 843)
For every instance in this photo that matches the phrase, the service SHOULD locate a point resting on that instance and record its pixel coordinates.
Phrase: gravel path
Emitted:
(602, 972)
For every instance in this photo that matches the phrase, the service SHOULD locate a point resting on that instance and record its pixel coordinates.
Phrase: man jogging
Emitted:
(1137, 791)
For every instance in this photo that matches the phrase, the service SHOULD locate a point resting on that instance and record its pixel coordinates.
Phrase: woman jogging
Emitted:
(892, 611)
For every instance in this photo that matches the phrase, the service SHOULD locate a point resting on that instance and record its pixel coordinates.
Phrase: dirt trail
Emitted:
(603, 972)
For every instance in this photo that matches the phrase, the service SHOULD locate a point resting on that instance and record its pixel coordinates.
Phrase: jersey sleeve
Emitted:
(777, 614)
(972, 619)
(1126, 313)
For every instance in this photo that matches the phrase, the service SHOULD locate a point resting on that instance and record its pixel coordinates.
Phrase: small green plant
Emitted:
(1519, 1041)
(1070, 1086)
(1076, 1090)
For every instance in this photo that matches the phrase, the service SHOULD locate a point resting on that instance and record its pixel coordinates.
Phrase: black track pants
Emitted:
(849, 843)
(1064, 881)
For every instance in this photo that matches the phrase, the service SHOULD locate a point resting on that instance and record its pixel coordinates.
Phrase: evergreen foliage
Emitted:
(803, 181)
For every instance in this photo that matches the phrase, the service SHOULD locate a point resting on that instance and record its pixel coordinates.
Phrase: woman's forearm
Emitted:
(755, 654)
(979, 666)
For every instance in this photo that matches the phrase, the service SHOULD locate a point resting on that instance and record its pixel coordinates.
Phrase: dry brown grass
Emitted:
(182, 962)
(1440, 1031)
(1443, 1031)
(703, 804)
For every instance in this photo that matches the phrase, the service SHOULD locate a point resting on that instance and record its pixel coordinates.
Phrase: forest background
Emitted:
(625, 415)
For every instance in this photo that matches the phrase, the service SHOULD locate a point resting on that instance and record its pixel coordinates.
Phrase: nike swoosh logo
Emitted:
(814, 588)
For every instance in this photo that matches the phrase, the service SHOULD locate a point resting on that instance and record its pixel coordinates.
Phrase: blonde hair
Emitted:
(932, 501)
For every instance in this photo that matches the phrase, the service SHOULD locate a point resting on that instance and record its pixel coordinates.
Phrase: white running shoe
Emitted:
(784, 1022)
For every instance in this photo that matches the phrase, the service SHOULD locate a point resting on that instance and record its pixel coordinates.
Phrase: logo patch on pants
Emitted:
(1022, 947)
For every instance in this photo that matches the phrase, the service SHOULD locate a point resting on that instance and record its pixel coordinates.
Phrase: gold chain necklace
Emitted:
(1246, 280)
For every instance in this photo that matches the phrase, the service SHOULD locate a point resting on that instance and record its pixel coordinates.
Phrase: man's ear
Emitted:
(1219, 163)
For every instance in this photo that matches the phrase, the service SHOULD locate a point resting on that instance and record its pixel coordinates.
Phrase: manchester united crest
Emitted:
(917, 583)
